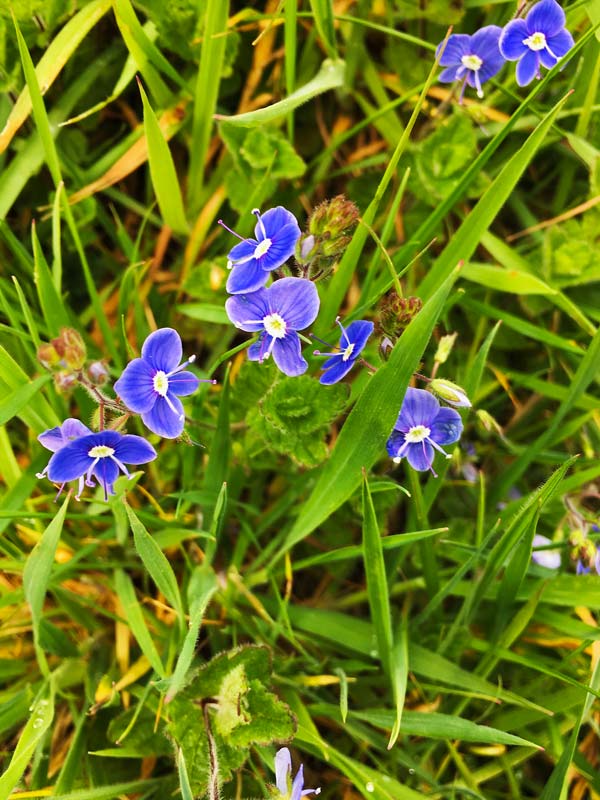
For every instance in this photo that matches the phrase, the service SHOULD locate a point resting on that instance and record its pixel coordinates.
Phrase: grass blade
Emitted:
(135, 618)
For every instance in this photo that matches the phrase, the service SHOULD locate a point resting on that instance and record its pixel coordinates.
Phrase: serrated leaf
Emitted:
(265, 148)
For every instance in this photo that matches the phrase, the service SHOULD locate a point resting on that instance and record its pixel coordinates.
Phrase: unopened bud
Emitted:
(97, 373)
(64, 381)
(71, 348)
(449, 392)
(396, 314)
(47, 356)
(385, 347)
(333, 218)
(305, 249)
(488, 422)
(444, 348)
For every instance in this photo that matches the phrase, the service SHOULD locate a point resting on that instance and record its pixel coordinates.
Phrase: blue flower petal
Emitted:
(163, 349)
(255, 350)
(394, 443)
(561, 43)
(244, 307)
(420, 455)
(357, 332)
(246, 278)
(528, 67)
(106, 473)
(274, 219)
(288, 356)
(447, 426)
(135, 387)
(183, 383)
(242, 250)
(71, 461)
(296, 300)
(511, 42)
(546, 17)
(457, 46)
(298, 784)
(131, 449)
(161, 420)
(484, 43)
(448, 75)
(282, 247)
(55, 438)
(283, 767)
(336, 371)
(418, 408)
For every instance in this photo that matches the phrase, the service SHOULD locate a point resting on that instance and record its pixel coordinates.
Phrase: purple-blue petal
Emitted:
(274, 220)
(298, 784)
(357, 332)
(55, 438)
(244, 307)
(283, 244)
(457, 46)
(288, 356)
(420, 456)
(335, 369)
(135, 387)
(242, 250)
(447, 426)
(131, 449)
(561, 43)
(511, 41)
(283, 767)
(161, 420)
(528, 67)
(484, 43)
(418, 408)
(296, 300)
(70, 462)
(448, 75)
(246, 278)
(394, 443)
(106, 473)
(183, 383)
(255, 350)
(546, 17)
(163, 349)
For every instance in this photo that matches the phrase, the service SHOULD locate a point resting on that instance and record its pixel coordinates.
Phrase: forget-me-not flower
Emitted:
(472, 59)
(545, 558)
(283, 772)
(277, 312)
(421, 428)
(252, 260)
(539, 38)
(352, 342)
(151, 385)
(99, 455)
(56, 438)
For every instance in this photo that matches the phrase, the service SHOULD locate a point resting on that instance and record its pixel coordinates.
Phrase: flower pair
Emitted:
(539, 39)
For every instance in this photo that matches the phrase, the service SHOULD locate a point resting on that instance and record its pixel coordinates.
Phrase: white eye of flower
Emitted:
(262, 248)
(275, 325)
(417, 434)
(348, 352)
(101, 451)
(160, 383)
(471, 62)
(537, 41)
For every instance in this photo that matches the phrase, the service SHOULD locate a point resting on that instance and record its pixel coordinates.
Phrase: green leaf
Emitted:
(330, 76)
(261, 144)
(362, 439)
(324, 15)
(14, 402)
(36, 575)
(157, 564)
(217, 469)
(505, 280)
(51, 303)
(135, 618)
(162, 171)
(441, 158)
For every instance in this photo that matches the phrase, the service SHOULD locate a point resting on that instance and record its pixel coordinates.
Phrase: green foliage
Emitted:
(229, 701)
(295, 415)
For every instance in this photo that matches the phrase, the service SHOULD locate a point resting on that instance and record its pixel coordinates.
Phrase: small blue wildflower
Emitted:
(283, 772)
(151, 385)
(545, 558)
(287, 306)
(352, 343)
(96, 455)
(472, 59)
(540, 38)
(421, 428)
(55, 439)
(251, 261)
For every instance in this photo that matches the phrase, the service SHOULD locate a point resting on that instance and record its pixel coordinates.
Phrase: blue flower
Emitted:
(422, 426)
(277, 232)
(96, 455)
(539, 38)
(545, 558)
(472, 59)
(56, 438)
(287, 306)
(352, 343)
(151, 385)
(283, 772)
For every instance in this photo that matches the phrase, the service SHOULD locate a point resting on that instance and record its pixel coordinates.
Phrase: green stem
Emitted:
(426, 547)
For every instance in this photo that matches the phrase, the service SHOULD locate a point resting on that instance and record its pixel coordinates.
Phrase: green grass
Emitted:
(274, 578)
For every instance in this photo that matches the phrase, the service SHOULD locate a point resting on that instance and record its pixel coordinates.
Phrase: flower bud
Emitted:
(97, 373)
(396, 313)
(444, 348)
(71, 348)
(64, 381)
(450, 392)
(47, 356)
(385, 348)
(305, 248)
(333, 218)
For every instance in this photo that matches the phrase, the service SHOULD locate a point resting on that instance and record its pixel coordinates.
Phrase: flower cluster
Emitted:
(149, 386)
(540, 39)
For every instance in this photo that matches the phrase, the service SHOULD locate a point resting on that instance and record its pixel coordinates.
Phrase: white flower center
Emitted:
(537, 41)
(275, 325)
(101, 451)
(262, 248)
(471, 62)
(160, 383)
(348, 352)
(417, 434)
